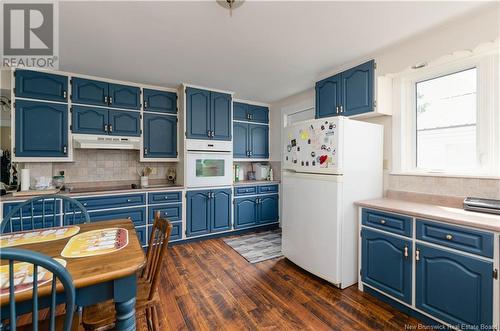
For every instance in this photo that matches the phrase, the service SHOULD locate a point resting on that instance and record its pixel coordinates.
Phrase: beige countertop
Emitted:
(255, 182)
(434, 212)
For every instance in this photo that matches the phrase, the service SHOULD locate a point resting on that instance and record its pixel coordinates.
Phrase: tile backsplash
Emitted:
(100, 165)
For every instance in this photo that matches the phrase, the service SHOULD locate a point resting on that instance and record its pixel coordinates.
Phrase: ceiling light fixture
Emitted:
(230, 4)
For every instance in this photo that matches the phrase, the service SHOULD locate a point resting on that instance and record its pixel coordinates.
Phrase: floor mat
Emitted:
(257, 247)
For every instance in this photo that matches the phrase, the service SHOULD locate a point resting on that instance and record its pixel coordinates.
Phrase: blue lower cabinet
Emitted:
(455, 288)
(141, 235)
(268, 208)
(38, 208)
(41, 129)
(245, 212)
(137, 215)
(124, 123)
(176, 233)
(50, 221)
(386, 264)
(221, 210)
(198, 212)
(172, 212)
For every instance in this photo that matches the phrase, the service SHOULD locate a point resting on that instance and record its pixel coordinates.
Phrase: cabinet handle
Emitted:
(337, 109)
(166, 214)
(449, 237)
(105, 128)
(65, 94)
(110, 100)
(248, 116)
(166, 198)
(382, 221)
(212, 133)
(106, 99)
(145, 104)
(208, 133)
(250, 153)
(65, 149)
(145, 151)
(406, 251)
(417, 255)
(110, 128)
(341, 109)
(129, 200)
(85, 204)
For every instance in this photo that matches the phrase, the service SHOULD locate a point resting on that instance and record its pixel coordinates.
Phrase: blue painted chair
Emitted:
(44, 212)
(59, 274)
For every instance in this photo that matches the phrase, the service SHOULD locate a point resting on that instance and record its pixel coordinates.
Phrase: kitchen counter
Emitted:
(435, 212)
(255, 182)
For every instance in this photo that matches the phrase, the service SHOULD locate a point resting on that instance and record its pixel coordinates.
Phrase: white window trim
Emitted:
(486, 59)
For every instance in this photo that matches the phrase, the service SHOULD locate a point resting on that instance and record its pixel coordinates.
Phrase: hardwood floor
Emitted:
(208, 286)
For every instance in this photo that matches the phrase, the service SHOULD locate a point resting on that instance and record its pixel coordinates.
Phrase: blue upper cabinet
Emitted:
(198, 113)
(208, 114)
(221, 210)
(160, 101)
(455, 288)
(259, 141)
(220, 116)
(160, 136)
(241, 144)
(123, 96)
(357, 89)
(245, 212)
(41, 85)
(124, 123)
(250, 113)
(198, 212)
(348, 93)
(386, 264)
(240, 111)
(328, 96)
(89, 92)
(41, 129)
(268, 208)
(90, 120)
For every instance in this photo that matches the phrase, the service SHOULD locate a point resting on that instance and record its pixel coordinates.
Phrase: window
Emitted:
(446, 122)
(446, 116)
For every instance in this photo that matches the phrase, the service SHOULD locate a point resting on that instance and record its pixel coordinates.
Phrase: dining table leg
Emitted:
(124, 297)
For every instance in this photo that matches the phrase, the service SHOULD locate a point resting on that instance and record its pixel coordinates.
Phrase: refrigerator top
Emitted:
(314, 146)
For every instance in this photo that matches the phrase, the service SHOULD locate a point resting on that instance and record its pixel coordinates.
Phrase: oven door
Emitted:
(208, 169)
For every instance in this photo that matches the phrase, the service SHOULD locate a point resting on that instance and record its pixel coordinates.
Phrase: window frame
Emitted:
(488, 117)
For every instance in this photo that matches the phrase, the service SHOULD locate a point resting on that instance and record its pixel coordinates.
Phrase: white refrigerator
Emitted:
(328, 164)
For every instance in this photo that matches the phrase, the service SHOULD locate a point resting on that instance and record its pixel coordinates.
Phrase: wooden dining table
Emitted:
(96, 278)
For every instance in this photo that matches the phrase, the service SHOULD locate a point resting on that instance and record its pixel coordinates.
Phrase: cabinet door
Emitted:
(124, 123)
(221, 210)
(259, 141)
(240, 140)
(268, 208)
(160, 101)
(328, 96)
(386, 264)
(258, 114)
(90, 92)
(245, 212)
(240, 111)
(160, 136)
(220, 115)
(41, 85)
(41, 129)
(197, 114)
(357, 89)
(89, 120)
(456, 288)
(123, 96)
(197, 213)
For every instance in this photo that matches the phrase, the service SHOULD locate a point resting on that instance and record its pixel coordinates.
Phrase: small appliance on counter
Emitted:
(489, 206)
(261, 171)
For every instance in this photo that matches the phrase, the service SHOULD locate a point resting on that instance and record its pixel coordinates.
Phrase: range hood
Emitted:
(86, 141)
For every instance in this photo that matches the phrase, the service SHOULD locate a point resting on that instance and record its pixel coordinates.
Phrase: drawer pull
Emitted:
(85, 204)
(382, 221)
(166, 198)
(406, 251)
(417, 255)
(165, 213)
(449, 237)
(129, 200)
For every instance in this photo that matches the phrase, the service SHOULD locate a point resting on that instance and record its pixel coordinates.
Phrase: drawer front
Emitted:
(467, 240)
(141, 235)
(170, 212)
(115, 201)
(268, 189)
(245, 190)
(39, 208)
(394, 223)
(164, 197)
(176, 231)
(137, 215)
(38, 223)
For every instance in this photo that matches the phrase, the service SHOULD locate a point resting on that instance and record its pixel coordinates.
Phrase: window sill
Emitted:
(444, 175)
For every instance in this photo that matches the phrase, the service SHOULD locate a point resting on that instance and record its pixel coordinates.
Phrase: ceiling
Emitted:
(266, 51)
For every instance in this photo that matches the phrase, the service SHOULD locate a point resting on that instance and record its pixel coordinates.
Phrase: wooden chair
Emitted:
(59, 273)
(43, 212)
(103, 314)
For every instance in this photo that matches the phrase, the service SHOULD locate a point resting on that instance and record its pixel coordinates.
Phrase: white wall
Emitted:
(463, 33)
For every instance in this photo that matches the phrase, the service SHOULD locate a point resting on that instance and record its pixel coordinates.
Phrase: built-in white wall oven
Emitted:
(208, 164)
